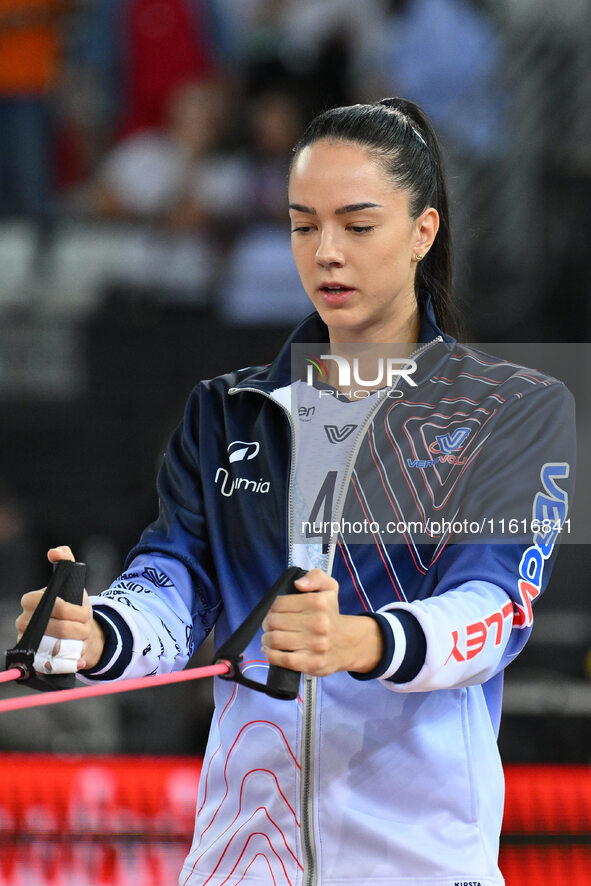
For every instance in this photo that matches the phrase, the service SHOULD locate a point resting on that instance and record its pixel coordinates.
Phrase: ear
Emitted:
(426, 227)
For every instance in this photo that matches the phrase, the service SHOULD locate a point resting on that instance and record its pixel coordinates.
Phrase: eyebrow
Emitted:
(342, 210)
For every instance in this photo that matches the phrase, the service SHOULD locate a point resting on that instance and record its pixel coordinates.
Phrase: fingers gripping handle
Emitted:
(69, 577)
(67, 582)
(283, 682)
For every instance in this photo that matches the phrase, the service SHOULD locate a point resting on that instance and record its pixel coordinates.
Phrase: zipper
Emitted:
(307, 781)
(308, 740)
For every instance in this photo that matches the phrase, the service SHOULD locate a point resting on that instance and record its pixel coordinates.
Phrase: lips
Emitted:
(335, 293)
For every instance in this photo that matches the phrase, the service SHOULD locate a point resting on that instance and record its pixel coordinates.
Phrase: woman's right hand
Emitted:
(67, 621)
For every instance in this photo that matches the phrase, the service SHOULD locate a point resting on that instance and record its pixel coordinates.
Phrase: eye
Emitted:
(301, 229)
(361, 229)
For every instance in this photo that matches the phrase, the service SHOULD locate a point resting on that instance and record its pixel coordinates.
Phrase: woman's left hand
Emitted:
(306, 632)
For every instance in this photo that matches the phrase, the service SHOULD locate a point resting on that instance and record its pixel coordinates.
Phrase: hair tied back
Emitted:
(400, 105)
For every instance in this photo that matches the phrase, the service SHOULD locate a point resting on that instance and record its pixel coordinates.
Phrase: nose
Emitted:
(329, 253)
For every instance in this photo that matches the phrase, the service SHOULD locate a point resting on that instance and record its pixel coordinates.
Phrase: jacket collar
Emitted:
(312, 329)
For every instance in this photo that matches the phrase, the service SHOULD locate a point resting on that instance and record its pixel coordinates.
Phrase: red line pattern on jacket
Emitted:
(250, 864)
(421, 568)
(244, 848)
(378, 542)
(231, 832)
(354, 578)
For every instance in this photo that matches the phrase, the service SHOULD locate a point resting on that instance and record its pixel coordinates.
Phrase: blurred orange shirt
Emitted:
(29, 48)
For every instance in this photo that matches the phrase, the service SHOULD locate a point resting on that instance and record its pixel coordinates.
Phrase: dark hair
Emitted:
(400, 135)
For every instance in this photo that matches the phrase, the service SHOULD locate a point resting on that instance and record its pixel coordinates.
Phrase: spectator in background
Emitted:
(305, 46)
(129, 56)
(321, 43)
(162, 44)
(29, 72)
(275, 119)
(172, 188)
(259, 263)
(446, 55)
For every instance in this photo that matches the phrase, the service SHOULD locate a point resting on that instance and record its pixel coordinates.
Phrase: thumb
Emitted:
(63, 552)
(316, 580)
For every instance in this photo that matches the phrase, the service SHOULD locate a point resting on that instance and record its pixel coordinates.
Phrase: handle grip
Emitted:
(283, 682)
(68, 577)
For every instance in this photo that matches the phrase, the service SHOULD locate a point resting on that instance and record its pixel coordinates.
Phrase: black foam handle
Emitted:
(69, 577)
(283, 682)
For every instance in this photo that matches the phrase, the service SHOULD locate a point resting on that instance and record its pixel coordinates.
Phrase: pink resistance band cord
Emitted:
(35, 701)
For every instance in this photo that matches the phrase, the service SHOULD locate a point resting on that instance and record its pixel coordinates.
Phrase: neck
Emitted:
(403, 328)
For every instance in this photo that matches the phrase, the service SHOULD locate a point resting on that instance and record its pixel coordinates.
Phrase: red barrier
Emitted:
(547, 826)
(113, 821)
(128, 821)
(548, 800)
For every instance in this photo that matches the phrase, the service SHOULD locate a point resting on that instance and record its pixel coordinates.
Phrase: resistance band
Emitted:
(67, 582)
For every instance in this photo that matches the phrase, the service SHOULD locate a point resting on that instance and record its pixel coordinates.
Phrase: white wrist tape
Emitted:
(57, 656)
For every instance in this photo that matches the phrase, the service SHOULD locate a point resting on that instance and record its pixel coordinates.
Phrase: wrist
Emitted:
(404, 647)
(365, 643)
(95, 644)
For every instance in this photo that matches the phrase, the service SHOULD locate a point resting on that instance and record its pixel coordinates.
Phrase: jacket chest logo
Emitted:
(444, 449)
(241, 450)
(336, 434)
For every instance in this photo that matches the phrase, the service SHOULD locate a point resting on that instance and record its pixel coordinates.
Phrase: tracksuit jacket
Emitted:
(392, 777)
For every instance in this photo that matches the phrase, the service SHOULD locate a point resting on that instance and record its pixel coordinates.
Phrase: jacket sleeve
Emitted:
(481, 611)
(166, 602)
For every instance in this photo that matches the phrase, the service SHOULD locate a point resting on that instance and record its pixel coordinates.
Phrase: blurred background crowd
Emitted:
(144, 245)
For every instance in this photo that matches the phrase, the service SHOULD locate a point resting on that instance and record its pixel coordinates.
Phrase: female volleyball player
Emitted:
(383, 458)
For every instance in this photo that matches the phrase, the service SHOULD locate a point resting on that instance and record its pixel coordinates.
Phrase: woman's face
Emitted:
(354, 243)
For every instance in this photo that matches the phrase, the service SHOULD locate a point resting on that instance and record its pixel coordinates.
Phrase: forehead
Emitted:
(342, 172)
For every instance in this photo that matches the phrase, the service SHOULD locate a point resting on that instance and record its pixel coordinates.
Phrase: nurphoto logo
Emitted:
(386, 372)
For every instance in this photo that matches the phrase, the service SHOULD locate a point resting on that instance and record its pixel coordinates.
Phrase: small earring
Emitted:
(418, 256)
